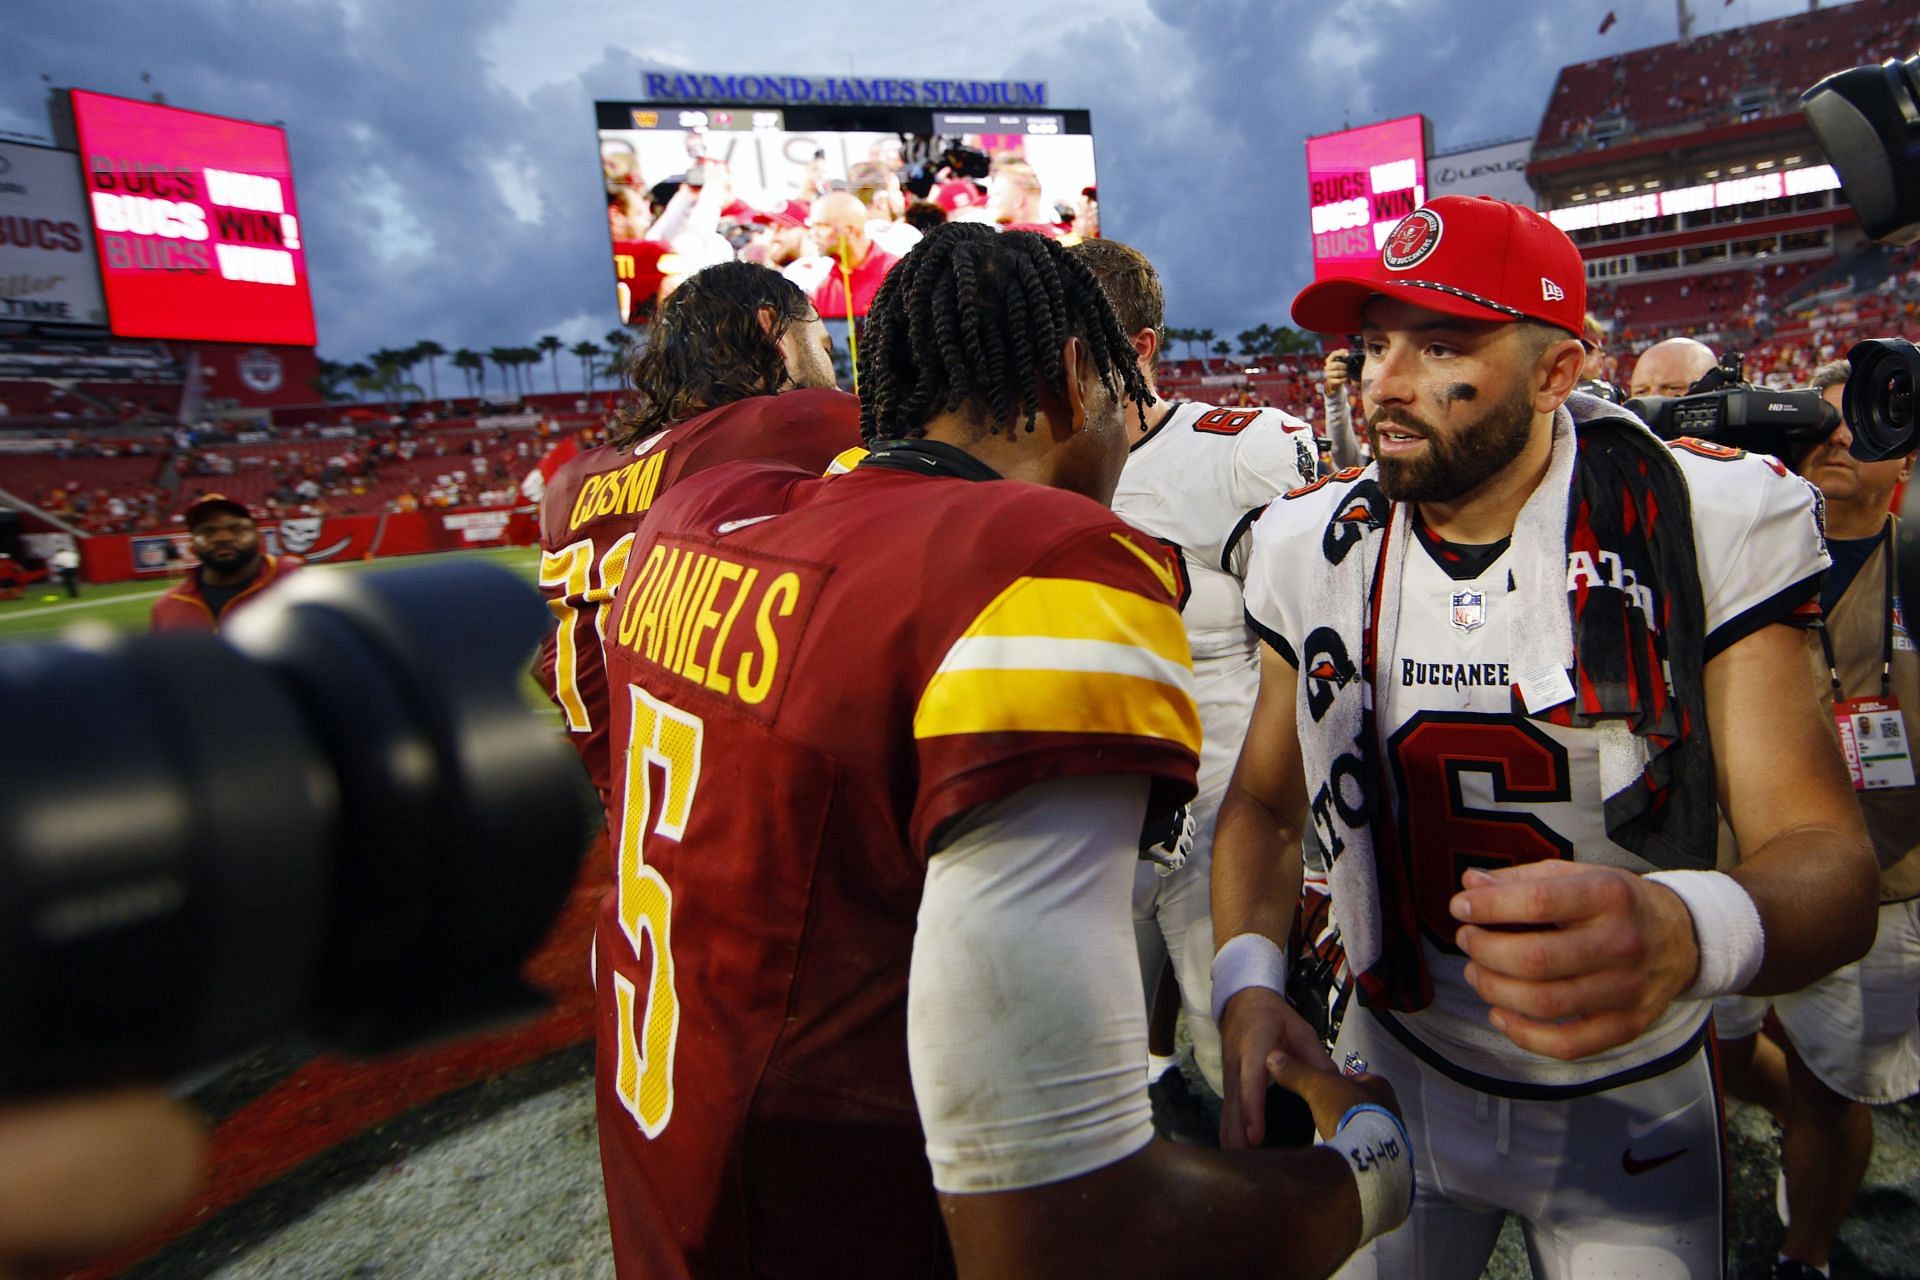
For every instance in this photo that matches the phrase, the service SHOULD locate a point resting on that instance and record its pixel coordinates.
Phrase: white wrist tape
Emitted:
(1726, 931)
(1246, 960)
(1375, 1146)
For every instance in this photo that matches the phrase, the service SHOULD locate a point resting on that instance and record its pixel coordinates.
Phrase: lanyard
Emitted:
(1892, 547)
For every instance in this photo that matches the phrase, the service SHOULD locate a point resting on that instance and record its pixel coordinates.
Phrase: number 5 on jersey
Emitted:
(670, 738)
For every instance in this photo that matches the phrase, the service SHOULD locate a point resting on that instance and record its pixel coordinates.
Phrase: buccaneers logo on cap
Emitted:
(1413, 241)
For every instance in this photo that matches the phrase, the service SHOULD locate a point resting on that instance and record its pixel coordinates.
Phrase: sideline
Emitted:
(100, 603)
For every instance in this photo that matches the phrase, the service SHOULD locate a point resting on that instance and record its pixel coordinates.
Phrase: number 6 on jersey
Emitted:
(671, 738)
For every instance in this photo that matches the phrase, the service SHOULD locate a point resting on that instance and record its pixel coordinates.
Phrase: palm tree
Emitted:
(467, 361)
(360, 373)
(328, 376)
(1223, 349)
(1205, 339)
(553, 347)
(503, 359)
(429, 350)
(587, 351)
(1256, 342)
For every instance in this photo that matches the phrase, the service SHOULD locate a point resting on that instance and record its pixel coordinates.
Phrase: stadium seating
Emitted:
(1719, 77)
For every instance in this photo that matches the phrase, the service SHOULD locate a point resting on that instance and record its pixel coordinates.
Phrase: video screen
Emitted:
(829, 196)
(1360, 183)
(195, 222)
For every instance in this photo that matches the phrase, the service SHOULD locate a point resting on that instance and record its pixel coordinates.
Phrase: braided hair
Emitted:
(975, 318)
(707, 347)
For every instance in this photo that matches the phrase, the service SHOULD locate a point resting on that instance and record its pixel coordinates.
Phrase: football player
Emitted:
(911, 720)
(738, 366)
(1510, 668)
(1196, 477)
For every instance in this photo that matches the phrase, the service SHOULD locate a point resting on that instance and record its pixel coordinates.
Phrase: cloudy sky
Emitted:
(448, 172)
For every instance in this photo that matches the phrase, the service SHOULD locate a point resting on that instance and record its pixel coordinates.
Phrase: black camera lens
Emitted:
(1878, 401)
(1355, 362)
(339, 818)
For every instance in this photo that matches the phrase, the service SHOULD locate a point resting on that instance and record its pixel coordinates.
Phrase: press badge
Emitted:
(1874, 737)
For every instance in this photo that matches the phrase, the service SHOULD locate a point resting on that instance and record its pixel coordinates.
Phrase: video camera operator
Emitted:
(1670, 368)
(1852, 1039)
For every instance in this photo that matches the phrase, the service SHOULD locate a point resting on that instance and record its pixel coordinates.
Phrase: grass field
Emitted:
(45, 612)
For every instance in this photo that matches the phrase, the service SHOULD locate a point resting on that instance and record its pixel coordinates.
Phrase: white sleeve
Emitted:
(1284, 532)
(1757, 539)
(1274, 455)
(1025, 1030)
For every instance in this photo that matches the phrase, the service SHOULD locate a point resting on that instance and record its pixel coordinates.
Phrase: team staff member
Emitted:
(1512, 668)
(1852, 1038)
(233, 569)
(737, 366)
(1196, 476)
(913, 718)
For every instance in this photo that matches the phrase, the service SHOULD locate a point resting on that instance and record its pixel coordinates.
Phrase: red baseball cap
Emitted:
(1470, 256)
(210, 503)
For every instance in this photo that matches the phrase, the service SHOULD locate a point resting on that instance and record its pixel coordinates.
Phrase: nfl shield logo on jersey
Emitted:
(1469, 610)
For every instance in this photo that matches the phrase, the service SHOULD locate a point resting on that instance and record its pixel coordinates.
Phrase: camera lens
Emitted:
(1878, 401)
(339, 817)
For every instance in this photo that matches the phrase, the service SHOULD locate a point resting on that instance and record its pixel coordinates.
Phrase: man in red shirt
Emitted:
(839, 224)
(233, 569)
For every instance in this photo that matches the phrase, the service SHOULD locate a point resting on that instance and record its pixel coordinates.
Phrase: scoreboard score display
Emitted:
(1360, 183)
(195, 221)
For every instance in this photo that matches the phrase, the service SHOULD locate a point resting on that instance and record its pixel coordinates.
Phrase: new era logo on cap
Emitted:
(1468, 256)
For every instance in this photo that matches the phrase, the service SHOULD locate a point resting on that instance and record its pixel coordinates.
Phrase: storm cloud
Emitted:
(448, 174)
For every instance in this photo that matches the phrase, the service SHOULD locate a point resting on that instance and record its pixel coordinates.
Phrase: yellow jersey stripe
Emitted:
(845, 461)
(996, 701)
(1074, 609)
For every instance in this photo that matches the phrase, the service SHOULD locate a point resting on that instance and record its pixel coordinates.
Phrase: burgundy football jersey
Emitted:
(812, 677)
(595, 501)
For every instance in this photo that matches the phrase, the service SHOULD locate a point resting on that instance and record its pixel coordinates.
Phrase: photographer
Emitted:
(1851, 1039)
(1347, 448)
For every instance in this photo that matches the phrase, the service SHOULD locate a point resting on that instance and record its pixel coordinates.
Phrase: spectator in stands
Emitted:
(1852, 1039)
(1669, 368)
(233, 568)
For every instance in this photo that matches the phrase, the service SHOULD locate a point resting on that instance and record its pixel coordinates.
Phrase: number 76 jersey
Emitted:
(595, 501)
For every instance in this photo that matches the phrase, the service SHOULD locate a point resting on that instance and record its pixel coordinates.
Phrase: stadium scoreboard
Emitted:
(1360, 183)
(195, 224)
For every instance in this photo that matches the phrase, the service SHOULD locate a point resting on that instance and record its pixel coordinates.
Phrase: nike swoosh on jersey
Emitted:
(1167, 576)
(728, 526)
(1634, 1168)
(1637, 1130)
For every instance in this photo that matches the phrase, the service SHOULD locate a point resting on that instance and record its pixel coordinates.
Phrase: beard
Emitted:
(1460, 459)
(233, 559)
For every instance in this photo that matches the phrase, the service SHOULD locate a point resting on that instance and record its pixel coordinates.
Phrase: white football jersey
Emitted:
(1196, 482)
(1474, 784)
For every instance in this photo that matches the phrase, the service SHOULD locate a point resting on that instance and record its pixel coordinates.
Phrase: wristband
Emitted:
(1375, 1146)
(1247, 960)
(1726, 931)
